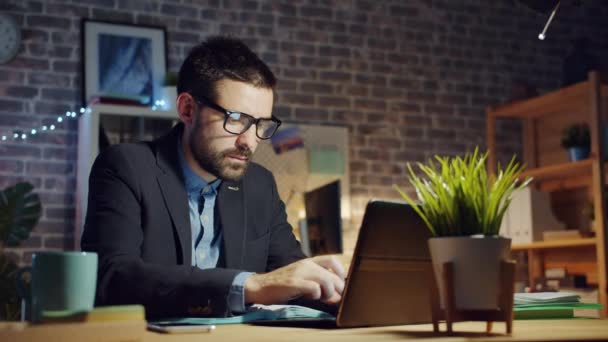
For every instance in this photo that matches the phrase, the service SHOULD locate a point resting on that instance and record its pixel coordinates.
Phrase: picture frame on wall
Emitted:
(122, 63)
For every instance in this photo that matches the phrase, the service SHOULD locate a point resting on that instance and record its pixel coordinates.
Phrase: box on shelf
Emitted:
(528, 216)
(552, 235)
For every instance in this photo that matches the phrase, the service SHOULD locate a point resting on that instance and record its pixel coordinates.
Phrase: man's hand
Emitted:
(319, 278)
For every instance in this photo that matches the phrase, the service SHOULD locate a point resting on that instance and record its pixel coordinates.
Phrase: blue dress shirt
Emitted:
(206, 241)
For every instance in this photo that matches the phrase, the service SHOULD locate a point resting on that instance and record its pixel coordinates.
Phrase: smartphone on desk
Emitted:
(180, 328)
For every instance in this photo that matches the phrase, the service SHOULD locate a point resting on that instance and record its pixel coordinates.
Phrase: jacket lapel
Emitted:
(234, 225)
(172, 187)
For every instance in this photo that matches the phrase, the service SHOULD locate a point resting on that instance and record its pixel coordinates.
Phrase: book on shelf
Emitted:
(555, 273)
(569, 234)
(558, 279)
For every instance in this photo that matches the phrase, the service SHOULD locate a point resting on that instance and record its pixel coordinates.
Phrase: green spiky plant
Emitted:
(459, 197)
(20, 210)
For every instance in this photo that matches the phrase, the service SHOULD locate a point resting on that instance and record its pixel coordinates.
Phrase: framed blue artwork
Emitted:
(122, 62)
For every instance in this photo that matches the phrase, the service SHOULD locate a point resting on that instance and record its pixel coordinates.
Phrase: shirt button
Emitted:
(206, 218)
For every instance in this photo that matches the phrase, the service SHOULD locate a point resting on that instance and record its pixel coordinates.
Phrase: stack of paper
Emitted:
(549, 305)
(545, 298)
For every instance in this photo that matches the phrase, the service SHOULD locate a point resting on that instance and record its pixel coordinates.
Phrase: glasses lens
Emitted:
(266, 128)
(237, 123)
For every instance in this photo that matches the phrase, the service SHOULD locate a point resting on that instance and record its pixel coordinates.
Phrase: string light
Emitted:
(19, 134)
(158, 104)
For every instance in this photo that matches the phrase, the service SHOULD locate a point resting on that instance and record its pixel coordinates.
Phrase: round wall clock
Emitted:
(10, 38)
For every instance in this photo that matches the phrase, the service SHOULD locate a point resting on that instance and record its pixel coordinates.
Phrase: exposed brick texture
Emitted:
(408, 78)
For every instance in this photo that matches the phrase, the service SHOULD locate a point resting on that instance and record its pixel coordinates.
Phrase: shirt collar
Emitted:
(194, 183)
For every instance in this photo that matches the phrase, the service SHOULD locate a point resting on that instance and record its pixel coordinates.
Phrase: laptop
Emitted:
(390, 276)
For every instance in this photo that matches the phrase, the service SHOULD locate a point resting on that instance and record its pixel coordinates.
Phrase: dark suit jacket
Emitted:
(138, 223)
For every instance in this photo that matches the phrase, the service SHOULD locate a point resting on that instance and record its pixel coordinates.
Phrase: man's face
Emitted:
(222, 154)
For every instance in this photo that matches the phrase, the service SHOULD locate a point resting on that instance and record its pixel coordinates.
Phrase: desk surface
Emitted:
(537, 330)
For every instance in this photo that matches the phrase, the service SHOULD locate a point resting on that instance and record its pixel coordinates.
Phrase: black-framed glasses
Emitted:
(239, 123)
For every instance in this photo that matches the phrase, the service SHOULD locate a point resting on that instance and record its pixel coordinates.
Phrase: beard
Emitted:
(218, 163)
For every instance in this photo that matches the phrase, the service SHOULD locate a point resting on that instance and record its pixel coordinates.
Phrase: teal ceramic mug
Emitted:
(62, 284)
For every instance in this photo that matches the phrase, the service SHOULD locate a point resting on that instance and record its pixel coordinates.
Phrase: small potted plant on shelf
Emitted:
(576, 139)
(463, 207)
(169, 90)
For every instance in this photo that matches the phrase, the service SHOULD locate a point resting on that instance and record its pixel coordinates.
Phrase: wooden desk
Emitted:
(537, 330)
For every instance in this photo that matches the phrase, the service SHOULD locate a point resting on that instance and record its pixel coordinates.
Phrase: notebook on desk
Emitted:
(388, 283)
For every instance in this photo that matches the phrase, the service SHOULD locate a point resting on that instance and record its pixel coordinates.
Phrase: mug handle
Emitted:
(23, 288)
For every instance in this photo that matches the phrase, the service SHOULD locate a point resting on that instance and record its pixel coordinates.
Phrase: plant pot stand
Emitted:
(451, 314)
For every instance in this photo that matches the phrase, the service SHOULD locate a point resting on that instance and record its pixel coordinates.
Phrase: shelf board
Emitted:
(569, 175)
(564, 100)
(560, 171)
(139, 111)
(566, 243)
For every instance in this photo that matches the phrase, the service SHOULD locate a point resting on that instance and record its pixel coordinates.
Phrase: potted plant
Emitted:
(20, 210)
(463, 207)
(169, 91)
(576, 139)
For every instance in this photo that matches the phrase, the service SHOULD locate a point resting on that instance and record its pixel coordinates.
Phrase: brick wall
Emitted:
(408, 78)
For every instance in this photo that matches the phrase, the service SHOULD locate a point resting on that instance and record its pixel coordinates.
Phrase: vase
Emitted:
(476, 269)
(577, 153)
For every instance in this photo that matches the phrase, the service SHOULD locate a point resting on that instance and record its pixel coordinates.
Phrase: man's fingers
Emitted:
(319, 278)
(333, 300)
(327, 287)
(309, 289)
(338, 283)
(330, 283)
(331, 263)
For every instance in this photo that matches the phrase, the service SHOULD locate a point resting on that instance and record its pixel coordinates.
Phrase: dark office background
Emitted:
(408, 78)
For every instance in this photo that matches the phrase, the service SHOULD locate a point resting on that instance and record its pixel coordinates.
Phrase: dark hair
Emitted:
(219, 58)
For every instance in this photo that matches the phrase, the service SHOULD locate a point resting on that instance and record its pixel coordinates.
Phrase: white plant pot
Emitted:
(169, 95)
(476, 267)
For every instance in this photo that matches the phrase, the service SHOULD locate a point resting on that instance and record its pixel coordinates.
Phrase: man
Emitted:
(186, 224)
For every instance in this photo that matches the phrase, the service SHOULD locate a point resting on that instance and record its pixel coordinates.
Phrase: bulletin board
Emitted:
(322, 159)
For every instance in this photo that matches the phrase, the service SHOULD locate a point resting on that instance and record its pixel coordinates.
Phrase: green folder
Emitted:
(552, 310)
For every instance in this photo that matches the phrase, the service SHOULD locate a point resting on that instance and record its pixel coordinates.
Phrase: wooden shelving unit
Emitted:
(566, 243)
(109, 116)
(543, 118)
